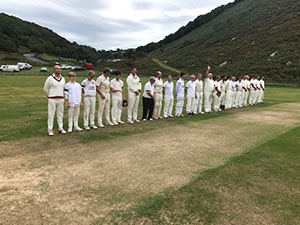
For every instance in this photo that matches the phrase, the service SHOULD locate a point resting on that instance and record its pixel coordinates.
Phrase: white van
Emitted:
(9, 68)
(24, 66)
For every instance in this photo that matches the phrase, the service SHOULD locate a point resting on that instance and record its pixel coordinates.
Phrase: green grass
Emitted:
(23, 112)
(262, 182)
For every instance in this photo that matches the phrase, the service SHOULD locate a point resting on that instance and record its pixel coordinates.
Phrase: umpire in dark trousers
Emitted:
(148, 100)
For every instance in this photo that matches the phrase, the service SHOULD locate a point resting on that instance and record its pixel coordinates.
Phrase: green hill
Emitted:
(251, 36)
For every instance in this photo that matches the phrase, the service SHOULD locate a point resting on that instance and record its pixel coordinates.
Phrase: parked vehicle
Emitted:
(9, 68)
(77, 68)
(44, 69)
(89, 66)
(24, 66)
(66, 67)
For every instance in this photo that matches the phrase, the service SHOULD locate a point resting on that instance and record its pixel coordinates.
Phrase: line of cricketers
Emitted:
(217, 95)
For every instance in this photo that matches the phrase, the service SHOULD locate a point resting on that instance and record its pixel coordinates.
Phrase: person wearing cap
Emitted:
(54, 90)
(148, 100)
(217, 94)
(180, 95)
(89, 102)
(158, 94)
(134, 90)
(117, 92)
(198, 96)
(103, 90)
(168, 89)
(208, 90)
(191, 93)
(73, 93)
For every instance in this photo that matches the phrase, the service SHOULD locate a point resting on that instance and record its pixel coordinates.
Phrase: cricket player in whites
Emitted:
(73, 93)
(191, 93)
(252, 90)
(103, 89)
(117, 92)
(248, 87)
(134, 90)
(89, 102)
(262, 90)
(223, 94)
(217, 94)
(158, 95)
(208, 90)
(180, 95)
(54, 90)
(257, 92)
(169, 98)
(199, 95)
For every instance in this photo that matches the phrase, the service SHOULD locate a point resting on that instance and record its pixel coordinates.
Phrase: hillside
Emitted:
(252, 36)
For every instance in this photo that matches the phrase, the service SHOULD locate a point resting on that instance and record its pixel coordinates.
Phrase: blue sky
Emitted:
(110, 24)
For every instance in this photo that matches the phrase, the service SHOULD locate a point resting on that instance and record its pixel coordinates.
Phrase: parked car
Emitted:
(66, 67)
(44, 69)
(77, 68)
(9, 68)
(24, 66)
(89, 66)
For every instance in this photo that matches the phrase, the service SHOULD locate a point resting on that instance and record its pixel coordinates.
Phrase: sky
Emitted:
(110, 24)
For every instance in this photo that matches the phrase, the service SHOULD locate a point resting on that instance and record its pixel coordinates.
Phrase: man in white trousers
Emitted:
(223, 94)
(180, 95)
(262, 90)
(158, 95)
(248, 87)
(234, 91)
(208, 90)
(191, 92)
(168, 89)
(217, 94)
(243, 91)
(117, 93)
(257, 92)
(103, 90)
(239, 93)
(252, 91)
(73, 93)
(89, 102)
(54, 90)
(134, 90)
(199, 95)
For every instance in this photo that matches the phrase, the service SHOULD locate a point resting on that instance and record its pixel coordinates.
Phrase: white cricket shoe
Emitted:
(87, 128)
(137, 121)
(110, 123)
(130, 122)
(50, 133)
(115, 124)
(78, 129)
(62, 131)
(70, 130)
(121, 122)
(94, 127)
(101, 125)
(144, 120)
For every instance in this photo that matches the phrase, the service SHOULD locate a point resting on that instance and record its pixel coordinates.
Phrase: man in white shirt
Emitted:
(262, 90)
(89, 89)
(228, 97)
(168, 89)
(217, 94)
(180, 95)
(223, 94)
(199, 95)
(252, 90)
(103, 89)
(208, 90)
(257, 92)
(239, 93)
(117, 92)
(148, 100)
(158, 92)
(248, 87)
(191, 92)
(134, 90)
(73, 93)
(234, 92)
(54, 90)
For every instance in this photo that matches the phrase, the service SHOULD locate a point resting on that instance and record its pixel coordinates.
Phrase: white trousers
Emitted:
(252, 97)
(168, 109)
(246, 98)
(133, 105)
(256, 98)
(190, 104)
(104, 105)
(89, 104)
(237, 98)
(116, 110)
(157, 104)
(223, 98)
(73, 115)
(228, 101)
(208, 101)
(55, 106)
(198, 103)
(217, 103)
(262, 95)
(179, 106)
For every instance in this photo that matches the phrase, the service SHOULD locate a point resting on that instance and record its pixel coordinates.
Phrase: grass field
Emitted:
(234, 167)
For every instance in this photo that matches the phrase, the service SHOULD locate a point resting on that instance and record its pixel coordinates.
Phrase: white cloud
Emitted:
(110, 24)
